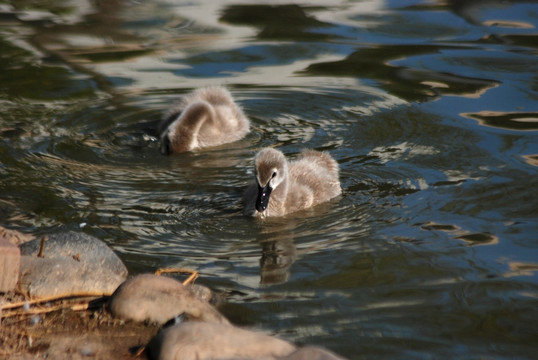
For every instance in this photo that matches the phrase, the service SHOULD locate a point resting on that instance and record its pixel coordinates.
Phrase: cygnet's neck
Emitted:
(280, 193)
(196, 114)
(192, 119)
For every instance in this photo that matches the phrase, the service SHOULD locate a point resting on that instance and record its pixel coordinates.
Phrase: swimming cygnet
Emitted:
(206, 117)
(283, 187)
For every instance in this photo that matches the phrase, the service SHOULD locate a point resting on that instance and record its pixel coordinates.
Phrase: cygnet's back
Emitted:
(206, 117)
(282, 188)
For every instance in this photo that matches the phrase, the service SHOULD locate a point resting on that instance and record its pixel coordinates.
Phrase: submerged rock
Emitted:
(159, 299)
(204, 341)
(72, 263)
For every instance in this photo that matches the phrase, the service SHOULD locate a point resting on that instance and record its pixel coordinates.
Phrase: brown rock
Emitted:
(15, 237)
(205, 341)
(158, 299)
(10, 259)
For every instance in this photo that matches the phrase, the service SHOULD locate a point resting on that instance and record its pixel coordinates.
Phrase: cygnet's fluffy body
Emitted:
(206, 117)
(284, 187)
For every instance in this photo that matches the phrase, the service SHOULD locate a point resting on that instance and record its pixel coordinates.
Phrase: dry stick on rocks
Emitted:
(54, 298)
(189, 280)
(41, 247)
(74, 307)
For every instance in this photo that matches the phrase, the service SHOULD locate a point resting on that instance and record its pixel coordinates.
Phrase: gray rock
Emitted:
(158, 299)
(203, 293)
(204, 341)
(71, 263)
(312, 353)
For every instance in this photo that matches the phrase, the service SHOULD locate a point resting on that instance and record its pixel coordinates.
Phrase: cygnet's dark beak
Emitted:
(164, 145)
(263, 197)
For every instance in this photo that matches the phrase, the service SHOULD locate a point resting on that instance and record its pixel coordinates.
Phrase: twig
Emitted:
(189, 280)
(75, 307)
(53, 298)
(140, 351)
(41, 247)
(81, 306)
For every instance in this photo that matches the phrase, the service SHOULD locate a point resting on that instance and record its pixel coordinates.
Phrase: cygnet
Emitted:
(206, 117)
(284, 187)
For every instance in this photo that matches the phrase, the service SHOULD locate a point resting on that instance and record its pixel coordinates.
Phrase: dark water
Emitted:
(430, 107)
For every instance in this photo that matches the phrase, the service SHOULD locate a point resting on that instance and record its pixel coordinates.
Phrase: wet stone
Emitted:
(201, 340)
(72, 263)
(159, 299)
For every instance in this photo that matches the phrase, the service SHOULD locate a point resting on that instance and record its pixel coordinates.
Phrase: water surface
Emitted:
(430, 108)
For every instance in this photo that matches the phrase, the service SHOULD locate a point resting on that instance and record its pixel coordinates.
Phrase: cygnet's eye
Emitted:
(274, 174)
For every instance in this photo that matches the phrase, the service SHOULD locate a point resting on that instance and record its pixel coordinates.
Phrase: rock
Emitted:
(72, 263)
(10, 260)
(204, 341)
(312, 353)
(203, 293)
(15, 237)
(158, 299)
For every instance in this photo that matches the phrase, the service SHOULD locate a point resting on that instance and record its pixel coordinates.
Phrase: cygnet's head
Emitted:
(182, 132)
(175, 140)
(271, 169)
(164, 144)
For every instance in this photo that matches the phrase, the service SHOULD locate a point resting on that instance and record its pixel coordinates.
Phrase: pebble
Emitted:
(158, 299)
(86, 350)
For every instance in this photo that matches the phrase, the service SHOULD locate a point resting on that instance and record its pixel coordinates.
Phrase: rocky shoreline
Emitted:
(68, 295)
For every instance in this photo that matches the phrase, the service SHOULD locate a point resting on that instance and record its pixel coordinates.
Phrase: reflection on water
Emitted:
(431, 250)
(276, 21)
(375, 63)
(531, 159)
(480, 239)
(278, 251)
(507, 120)
(277, 257)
